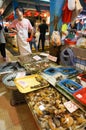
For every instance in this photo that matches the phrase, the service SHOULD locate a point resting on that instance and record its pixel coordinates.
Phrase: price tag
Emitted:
(20, 74)
(22, 84)
(44, 54)
(52, 58)
(71, 107)
(37, 57)
(79, 95)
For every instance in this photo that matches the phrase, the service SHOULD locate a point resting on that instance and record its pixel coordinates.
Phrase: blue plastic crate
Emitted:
(51, 71)
(69, 85)
(68, 71)
(80, 61)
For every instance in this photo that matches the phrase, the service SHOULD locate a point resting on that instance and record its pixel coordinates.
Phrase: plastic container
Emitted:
(69, 85)
(82, 77)
(68, 71)
(81, 95)
(30, 83)
(51, 71)
(70, 42)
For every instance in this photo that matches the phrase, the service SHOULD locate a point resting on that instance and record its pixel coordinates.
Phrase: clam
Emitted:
(51, 124)
(60, 128)
(56, 121)
(81, 120)
(44, 125)
(67, 121)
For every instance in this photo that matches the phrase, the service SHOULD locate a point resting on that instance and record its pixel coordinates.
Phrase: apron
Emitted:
(22, 35)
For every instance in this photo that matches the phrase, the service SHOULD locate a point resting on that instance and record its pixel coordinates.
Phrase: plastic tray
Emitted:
(68, 71)
(70, 85)
(25, 58)
(82, 77)
(30, 83)
(51, 71)
(81, 95)
(37, 66)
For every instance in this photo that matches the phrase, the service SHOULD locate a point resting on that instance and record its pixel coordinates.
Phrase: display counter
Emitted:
(48, 104)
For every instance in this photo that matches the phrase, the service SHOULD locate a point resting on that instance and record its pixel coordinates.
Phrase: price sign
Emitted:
(71, 107)
(20, 74)
(22, 84)
(37, 57)
(52, 58)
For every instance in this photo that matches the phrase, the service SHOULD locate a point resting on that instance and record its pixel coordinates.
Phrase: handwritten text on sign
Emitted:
(71, 107)
(52, 58)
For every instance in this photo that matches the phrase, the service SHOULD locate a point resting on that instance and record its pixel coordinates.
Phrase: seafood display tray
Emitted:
(25, 58)
(36, 67)
(47, 106)
(30, 83)
(70, 97)
(69, 85)
(30, 58)
(67, 71)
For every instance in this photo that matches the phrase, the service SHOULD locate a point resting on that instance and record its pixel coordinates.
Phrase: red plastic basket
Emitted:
(82, 77)
(80, 95)
(70, 42)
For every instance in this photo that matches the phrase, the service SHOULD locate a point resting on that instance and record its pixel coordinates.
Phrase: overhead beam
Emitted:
(8, 5)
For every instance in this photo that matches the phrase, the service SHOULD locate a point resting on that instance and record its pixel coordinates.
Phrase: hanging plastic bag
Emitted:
(55, 38)
(81, 42)
(64, 31)
(67, 57)
(66, 14)
(78, 5)
(78, 8)
(71, 4)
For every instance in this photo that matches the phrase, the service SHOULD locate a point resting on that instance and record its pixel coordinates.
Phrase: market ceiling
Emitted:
(27, 4)
(7, 5)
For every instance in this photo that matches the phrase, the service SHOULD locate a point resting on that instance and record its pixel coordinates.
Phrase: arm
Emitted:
(12, 26)
(31, 30)
(31, 36)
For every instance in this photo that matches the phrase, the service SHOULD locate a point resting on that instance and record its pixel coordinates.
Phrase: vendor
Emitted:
(21, 26)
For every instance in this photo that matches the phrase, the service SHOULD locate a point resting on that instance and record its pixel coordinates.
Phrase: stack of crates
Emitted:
(80, 57)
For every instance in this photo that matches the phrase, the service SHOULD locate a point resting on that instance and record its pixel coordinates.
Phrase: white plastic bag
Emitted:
(71, 4)
(81, 42)
(55, 38)
(77, 10)
(78, 5)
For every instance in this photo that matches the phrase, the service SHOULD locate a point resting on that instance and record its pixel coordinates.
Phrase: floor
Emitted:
(18, 117)
(14, 49)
